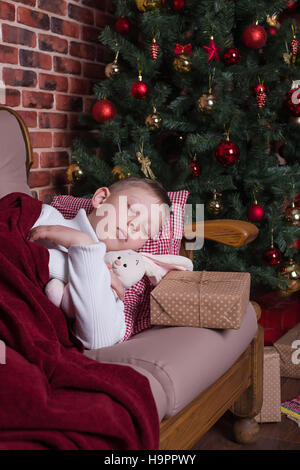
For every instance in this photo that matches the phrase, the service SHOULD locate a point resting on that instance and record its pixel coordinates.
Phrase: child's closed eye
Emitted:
(131, 211)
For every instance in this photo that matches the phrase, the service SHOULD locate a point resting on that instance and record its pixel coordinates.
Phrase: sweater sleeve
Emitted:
(100, 317)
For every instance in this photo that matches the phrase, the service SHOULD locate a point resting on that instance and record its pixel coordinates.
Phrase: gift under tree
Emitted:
(202, 95)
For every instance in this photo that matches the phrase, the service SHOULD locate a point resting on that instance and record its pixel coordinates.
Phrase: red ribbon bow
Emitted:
(187, 49)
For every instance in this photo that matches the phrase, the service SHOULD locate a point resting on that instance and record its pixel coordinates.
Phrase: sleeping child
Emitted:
(77, 249)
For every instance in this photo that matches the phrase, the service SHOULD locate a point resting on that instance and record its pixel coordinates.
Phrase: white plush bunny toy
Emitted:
(130, 266)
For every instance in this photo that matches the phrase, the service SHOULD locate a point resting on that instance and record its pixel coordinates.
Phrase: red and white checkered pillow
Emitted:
(167, 241)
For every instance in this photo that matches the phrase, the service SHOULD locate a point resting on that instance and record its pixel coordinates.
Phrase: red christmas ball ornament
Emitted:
(255, 213)
(139, 90)
(123, 26)
(196, 169)
(296, 245)
(232, 56)
(255, 36)
(104, 110)
(292, 102)
(291, 4)
(272, 256)
(178, 5)
(227, 153)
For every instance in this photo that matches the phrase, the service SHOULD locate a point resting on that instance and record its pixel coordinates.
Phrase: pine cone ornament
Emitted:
(154, 49)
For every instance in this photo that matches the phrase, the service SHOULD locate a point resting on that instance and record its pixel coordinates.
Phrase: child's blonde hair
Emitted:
(146, 183)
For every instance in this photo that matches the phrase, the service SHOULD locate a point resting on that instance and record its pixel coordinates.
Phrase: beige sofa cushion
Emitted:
(185, 361)
(12, 156)
(159, 395)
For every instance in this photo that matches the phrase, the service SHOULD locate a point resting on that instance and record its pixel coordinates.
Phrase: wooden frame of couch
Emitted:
(26, 135)
(240, 388)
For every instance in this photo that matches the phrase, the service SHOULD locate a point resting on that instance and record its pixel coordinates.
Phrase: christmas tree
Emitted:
(202, 95)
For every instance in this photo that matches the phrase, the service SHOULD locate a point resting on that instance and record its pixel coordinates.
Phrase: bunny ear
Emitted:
(157, 266)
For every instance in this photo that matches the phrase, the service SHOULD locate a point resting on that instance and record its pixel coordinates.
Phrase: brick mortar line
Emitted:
(39, 151)
(52, 71)
(29, 7)
(69, 2)
(51, 92)
(37, 30)
(51, 13)
(51, 53)
(34, 170)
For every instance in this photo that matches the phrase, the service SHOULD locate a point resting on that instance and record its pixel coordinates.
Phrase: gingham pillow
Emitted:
(167, 241)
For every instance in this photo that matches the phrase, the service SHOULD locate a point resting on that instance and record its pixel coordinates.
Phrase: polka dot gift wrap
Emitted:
(204, 299)
(270, 411)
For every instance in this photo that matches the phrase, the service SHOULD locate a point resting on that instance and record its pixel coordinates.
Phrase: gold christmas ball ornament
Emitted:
(292, 214)
(182, 63)
(215, 206)
(112, 69)
(74, 173)
(149, 5)
(290, 272)
(206, 103)
(154, 121)
(117, 172)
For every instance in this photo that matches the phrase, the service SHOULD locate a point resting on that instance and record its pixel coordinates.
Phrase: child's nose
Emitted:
(131, 225)
(117, 262)
(130, 220)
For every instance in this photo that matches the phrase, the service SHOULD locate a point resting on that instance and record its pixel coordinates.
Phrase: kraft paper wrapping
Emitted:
(270, 411)
(288, 348)
(202, 299)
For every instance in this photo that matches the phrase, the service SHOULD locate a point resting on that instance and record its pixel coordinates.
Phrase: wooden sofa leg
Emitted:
(248, 405)
(245, 431)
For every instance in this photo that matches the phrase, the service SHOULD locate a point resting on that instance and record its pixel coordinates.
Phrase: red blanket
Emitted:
(51, 395)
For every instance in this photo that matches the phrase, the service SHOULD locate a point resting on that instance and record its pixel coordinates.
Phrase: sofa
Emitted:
(195, 374)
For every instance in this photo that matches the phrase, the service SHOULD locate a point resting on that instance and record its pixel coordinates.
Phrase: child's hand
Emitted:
(60, 235)
(116, 284)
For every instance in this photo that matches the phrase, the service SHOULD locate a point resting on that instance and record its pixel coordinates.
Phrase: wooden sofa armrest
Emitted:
(229, 232)
(257, 309)
(26, 135)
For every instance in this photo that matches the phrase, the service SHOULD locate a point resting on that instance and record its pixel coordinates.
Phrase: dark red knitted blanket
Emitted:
(51, 395)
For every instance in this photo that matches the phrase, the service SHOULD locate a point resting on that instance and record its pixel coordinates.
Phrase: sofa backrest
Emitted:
(15, 153)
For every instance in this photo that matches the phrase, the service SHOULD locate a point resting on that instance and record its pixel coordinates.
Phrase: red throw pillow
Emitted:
(167, 241)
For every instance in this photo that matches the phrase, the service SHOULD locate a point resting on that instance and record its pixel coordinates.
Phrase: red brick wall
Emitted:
(49, 59)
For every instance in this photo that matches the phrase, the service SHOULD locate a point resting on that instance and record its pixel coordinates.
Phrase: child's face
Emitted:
(127, 219)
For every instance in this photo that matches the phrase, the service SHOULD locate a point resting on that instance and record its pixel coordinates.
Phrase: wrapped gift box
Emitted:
(203, 299)
(279, 314)
(270, 411)
(288, 348)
